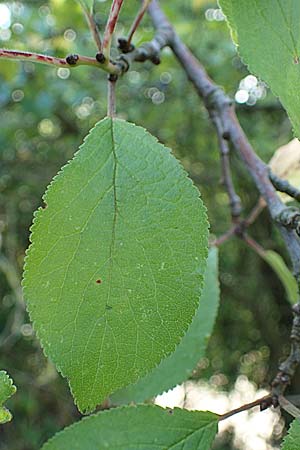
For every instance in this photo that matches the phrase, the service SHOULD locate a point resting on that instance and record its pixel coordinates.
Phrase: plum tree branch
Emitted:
(221, 110)
(92, 26)
(220, 106)
(263, 403)
(234, 199)
(110, 27)
(137, 20)
(70, 61)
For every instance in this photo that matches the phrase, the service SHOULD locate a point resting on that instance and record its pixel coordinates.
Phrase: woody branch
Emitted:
(221, 110)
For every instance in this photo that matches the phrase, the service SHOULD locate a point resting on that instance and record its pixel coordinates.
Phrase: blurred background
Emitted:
(45, 113)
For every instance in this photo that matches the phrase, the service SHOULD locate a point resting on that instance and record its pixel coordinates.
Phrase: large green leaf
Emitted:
(177, 367)
(268, 35)
(114, 272)
(144, 427)
(292, 439)
(7, 389)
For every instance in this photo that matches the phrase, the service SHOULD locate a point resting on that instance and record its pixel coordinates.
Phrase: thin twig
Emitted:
(224, 237)
(255, 212)
(110, 27)
(93, 27)
(234, 199)
(137, 20)
(255, 246)
(289, 407)
(70, 61)
(111, 96)
(287, 368)
(284, 186)
(34, 57)
(239, 228)
(263, 402)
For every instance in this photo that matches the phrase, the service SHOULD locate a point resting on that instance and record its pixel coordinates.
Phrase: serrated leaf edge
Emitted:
(234, 36)
(127, 407)
(38, 212)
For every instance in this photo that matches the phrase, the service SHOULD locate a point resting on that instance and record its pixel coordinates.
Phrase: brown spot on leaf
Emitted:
(99, 281)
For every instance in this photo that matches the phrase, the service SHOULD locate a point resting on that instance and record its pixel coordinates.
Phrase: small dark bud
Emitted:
(100, 58)
(72, 59)
(112, 77)
(226, 135)
(124, 46)
(263, 406)
(155, 60)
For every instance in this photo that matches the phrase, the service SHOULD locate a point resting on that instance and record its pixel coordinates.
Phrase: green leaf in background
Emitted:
(284, 274)
(115, 269)
(87, 5)
(7, 389)
(267, 33)
(292, 439)
(177, 367)
(142, 427)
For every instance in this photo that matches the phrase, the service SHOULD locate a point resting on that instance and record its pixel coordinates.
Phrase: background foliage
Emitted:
(44, 114)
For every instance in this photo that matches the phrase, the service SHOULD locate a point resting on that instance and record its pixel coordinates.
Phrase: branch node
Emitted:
(226, 135)
(289, 217)
(72, 59)
(112, 77)
(100, 58)
(268, 402)
(284, 186)
(155, 59)
(123, 63)
(125, 46)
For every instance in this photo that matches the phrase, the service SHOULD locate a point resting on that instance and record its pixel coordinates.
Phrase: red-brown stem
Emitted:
(92, 24)
(34, 57)
(239, 228)
(224, 237)
(94, 29)
(267, 399)
(257, 209)
(79, 60)
(254, 245)
(137, 20)
(111, 97)
(110, 26)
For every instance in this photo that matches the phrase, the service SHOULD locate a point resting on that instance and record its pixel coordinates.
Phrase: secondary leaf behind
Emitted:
(177, 367)
(144, 427)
